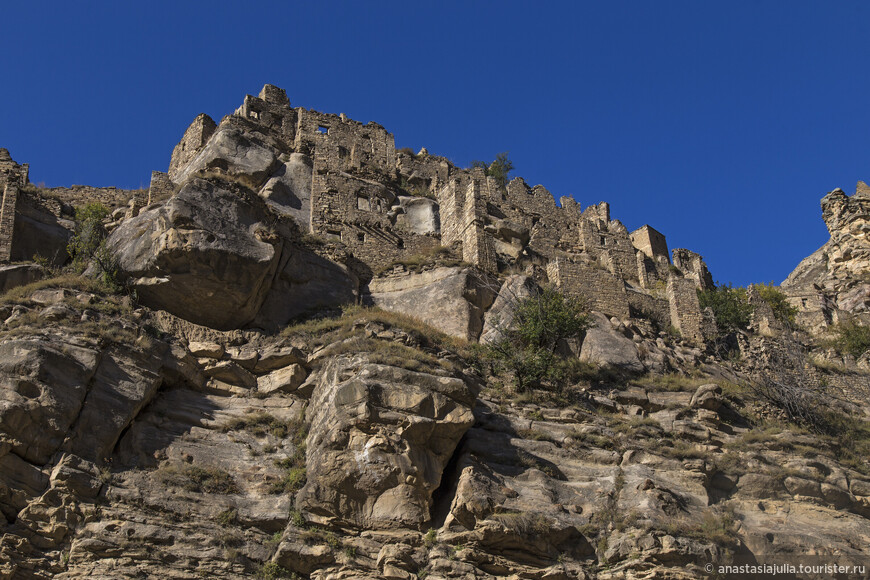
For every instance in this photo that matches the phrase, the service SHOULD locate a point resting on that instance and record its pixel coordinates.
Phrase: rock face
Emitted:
(452, 300)
(235, 154)
(604, 345)
(379, 440)
(500, 316)
(419, 215)
(833, 278)
(209, 256)
(288, 189)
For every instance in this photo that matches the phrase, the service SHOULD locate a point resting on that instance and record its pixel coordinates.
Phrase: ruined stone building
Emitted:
(38, 221)
(344, 182)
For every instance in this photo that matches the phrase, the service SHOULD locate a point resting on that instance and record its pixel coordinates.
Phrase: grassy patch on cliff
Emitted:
(198, 479)
(440, 256)
(78, 282)
(394, 339)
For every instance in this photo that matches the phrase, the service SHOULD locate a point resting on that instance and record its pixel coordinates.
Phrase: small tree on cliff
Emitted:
(88, 244)
(498, 169)
(527, 347)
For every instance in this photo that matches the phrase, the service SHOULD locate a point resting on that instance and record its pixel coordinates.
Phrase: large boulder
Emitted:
(452, 300)
(603, 345)
(233, 153)
(501, 315)
(288, 189)
(201, 256)
(419, 215)
(216, 255)
(39, 232)
(379, 440)
(13, 275)
(305, 283)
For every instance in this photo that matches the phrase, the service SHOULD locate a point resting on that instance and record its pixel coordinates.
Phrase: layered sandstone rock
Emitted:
(834, 277)
(379, 440)
(453, 300)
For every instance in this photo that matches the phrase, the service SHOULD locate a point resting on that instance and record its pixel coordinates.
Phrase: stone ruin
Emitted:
(38, 221)
(345, 182)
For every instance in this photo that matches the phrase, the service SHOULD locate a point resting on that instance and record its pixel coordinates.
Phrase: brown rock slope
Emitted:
(130, 452)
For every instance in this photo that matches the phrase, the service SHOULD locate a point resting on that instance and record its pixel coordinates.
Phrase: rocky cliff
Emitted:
(292, 382)
(835, 279)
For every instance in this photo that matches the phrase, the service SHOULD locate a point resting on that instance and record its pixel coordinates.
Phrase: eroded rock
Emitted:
(379, 439)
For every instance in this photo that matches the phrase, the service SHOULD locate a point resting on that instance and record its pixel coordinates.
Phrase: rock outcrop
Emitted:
(379, 440)
(212, 255)
(453, 300)
(292, 383)
(834, 277)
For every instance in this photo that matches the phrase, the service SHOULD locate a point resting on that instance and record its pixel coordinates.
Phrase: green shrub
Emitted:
(88, 244)
(730, 306)
(199, 479)
(528, 347)
(272, 571)
(852, 338)
(499, 169)
(782, 310)
(227, 517)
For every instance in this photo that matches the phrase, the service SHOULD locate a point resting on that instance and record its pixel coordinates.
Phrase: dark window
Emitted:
(361, 236)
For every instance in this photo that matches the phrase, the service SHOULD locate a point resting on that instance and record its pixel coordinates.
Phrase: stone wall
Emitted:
(13, 177)
(161, 188)
(602, 290)
(194, 139)
(642, 305)
(650, 242)
(693, 267)
(685, 309)
(477, 245)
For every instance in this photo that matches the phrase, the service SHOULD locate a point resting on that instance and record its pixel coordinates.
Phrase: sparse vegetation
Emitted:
(526, 524)
(430, 538)
(272, 571)
(436, 256)
(852, 338)
(261, 423)
(527, 348)
(228, 517)
(499, 169)
(88, 245)
(730, 306)
(422, 349)
(775, 298)
(198, 479)
(716, 526)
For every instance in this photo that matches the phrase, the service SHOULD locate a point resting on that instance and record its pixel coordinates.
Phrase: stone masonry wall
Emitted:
(602, 290)
(686, 314)
(692, 265)
(643, 305)
(7, 220)
(191, 143)
(161, 188)
(650, 242)
(477, 245)
(13, 177)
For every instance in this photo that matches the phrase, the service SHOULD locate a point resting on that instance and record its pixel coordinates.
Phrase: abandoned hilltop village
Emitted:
(284, 372)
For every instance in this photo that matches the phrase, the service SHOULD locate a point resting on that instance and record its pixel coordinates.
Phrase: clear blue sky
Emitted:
(721, 124)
